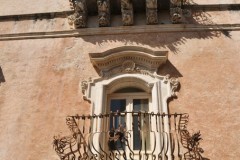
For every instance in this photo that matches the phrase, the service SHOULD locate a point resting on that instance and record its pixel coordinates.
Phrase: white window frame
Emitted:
(160, 88)
(129, 66)
(129, 108)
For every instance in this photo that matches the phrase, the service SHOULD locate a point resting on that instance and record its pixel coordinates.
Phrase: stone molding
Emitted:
(130, 59)
(124, 67)
(131, 68)
(159, 88)
(121, 30)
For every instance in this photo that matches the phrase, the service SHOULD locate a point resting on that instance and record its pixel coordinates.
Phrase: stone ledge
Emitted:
(45, 15)
(120, 30)
(212, 7)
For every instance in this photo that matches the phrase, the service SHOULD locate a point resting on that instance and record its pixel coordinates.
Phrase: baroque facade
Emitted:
(124, 79)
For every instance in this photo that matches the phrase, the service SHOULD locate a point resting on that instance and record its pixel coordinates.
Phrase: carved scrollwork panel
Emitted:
(176, 15)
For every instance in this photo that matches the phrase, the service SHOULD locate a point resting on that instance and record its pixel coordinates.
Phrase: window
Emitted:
(129, 117)
(128, 90)
(129, 105)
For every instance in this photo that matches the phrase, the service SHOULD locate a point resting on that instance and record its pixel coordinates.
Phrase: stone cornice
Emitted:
(121, 30)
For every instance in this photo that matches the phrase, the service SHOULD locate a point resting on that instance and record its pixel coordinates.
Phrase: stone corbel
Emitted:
(103, 13)
(79, 18)
(176, 11)
(151, 11)
(127, 12)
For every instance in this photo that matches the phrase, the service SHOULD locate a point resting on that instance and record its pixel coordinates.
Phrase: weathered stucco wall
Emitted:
(15, 7)
(42, 79)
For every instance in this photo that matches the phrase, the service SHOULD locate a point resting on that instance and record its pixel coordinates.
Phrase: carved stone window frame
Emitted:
(129, 67)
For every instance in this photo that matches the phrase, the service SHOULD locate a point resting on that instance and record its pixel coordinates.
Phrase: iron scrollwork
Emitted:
(87, 142)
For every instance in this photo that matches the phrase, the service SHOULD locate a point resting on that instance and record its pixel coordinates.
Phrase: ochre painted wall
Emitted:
(42, 87)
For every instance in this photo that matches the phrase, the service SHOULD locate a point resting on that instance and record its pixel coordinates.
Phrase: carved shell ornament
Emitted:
(128, 66)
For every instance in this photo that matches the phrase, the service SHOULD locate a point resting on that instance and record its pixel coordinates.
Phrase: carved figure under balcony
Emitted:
(151, 12)
(103, 13)
(152, 16)
(176, 15)
(79, 18)
(127, 12)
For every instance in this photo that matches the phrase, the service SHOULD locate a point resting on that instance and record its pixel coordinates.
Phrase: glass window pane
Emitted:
(140, 105)
(117, 105)
(136, 134)
(115, 122)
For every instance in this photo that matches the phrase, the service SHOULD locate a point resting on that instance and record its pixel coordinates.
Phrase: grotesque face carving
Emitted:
(103, 19)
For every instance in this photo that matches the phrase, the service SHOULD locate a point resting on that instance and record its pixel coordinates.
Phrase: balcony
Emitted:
(128, 136)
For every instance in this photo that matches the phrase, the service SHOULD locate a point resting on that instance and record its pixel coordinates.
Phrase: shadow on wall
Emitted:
(172, 40)
(190, 141)
(169, 68)
(2, 78)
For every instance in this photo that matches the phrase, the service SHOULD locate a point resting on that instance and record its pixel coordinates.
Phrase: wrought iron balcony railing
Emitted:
(128, 136)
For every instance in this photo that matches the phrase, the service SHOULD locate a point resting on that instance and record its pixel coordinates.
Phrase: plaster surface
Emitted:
(15, 7)
(40, 80)
(42, 87)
